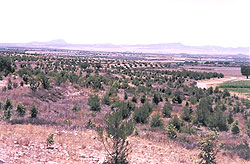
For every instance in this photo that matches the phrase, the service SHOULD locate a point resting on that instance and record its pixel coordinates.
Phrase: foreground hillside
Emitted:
(27, 144)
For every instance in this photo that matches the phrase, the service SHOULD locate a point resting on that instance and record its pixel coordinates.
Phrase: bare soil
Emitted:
(28, 145)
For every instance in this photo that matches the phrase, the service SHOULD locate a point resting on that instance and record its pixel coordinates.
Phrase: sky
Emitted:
(191, 22)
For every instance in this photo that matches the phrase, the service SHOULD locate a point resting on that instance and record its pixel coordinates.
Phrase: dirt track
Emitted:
(215, 82)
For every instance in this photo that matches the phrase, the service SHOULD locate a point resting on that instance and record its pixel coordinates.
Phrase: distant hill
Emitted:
(173, 48)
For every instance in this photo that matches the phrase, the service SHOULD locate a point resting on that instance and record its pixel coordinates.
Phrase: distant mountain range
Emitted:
(164, 48)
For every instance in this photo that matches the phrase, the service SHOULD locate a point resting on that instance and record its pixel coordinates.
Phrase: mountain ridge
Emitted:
(174, 48)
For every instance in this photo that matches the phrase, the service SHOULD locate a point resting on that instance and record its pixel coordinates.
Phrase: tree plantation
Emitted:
(123, 100)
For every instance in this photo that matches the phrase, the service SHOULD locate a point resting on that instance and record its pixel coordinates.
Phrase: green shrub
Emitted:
(176, 122)
(208, 149)
(167, 109)
(230, 118)
(94, 103)
(157, 98)
(15, 85)
(204, 111)
(123, 108)
(20, 110)
(6, 65)
(8, 104)
(45, 81)
(134, 99)
(50, 139)
(106, 100)
(193, 100)
(143, 99)
(76, 108)
(186, 115)
(90, 124)
(243, 150)
(21, 83)
(4, 89)
(114, 138)
(7, 114)
(188, 129)
(125, 96)
(171, 131)
(141, 114)
(235, 127)
(177, 97)
(34, 84)
(7, 107)
(33, 111)
(9, 84)
(156, 121)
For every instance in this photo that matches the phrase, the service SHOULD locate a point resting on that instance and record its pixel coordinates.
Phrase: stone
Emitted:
(1, 161)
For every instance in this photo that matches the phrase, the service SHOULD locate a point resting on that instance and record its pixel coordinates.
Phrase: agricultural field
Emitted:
(237, 86)
(74, 107)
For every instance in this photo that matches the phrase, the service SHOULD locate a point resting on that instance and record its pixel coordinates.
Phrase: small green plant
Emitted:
(235, 127)
(156, 121)
(188, 129)
(15, 85)
(68, 122)
(76, 108)
(176, 122)
(106, 100)
(33, 111)
(143, 99)
(141, 114)
(230, 119)
(93, 114)
(125, 96)
(21, 83)
(186, 115)
(136, 132)
(171, 131)
(94, 103)
(7, 114)
(20, 110)
(34, 84)
(90, 124)
(114, 138)
(134, 99)
(4, 89)
(167, 109)
(157, 98)
(50, 139)
(9, 84)
(7, 107)
(208, 149)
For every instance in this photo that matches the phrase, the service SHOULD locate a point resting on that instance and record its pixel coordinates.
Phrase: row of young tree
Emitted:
(174, 81)
(8, 111)
(61, 70)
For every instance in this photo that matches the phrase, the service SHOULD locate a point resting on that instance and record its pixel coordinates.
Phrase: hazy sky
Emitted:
(191, 22)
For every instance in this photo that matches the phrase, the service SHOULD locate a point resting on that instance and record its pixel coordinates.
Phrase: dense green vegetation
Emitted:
(245, 70)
